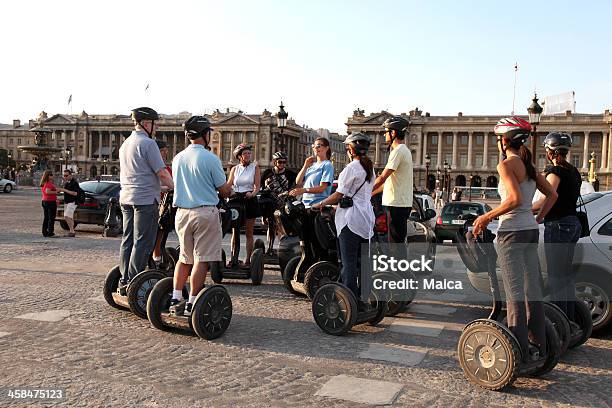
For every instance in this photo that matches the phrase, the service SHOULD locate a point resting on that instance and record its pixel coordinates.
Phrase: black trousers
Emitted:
(49, 210)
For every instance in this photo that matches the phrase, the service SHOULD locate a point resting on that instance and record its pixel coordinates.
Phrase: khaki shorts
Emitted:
(199, 234)
(69, 210)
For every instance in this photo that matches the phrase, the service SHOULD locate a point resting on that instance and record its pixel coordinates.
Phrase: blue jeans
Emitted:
(561, 236)
(349, 244)
(139, 231)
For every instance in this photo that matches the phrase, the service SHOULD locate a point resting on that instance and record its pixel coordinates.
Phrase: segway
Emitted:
(335, 309)
(210, 317)
(219, 270)
(318, 263)
(489, 353)
(135, 298)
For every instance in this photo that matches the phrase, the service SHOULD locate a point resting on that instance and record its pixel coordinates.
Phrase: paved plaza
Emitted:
(56, 331)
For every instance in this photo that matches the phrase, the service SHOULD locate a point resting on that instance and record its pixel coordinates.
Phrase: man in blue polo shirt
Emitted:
(141, 170)
(198, 175)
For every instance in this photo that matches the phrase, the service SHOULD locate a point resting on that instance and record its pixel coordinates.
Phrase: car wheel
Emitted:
(8, 188)
(594, 292)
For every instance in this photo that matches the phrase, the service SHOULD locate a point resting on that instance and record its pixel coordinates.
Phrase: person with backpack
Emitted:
(71, 200)
(561, 225)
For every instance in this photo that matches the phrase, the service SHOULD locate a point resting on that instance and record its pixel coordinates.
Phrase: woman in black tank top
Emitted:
(561, 225)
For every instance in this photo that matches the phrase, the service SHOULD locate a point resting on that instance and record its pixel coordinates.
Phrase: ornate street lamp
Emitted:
(281, 118)
(535, 111)
(105, 161)
(427, 163)
(67, 154)
(447, 168)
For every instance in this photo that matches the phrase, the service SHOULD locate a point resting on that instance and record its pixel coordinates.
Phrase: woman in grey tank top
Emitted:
(518, 233)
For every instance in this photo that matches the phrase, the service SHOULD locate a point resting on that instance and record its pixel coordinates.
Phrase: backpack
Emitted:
(80, 198)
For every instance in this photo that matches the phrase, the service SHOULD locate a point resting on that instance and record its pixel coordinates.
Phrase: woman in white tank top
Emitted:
(244, 178)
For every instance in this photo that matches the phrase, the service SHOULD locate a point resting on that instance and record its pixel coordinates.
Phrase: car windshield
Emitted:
(457, 209)
(587, 198)
(96, 187)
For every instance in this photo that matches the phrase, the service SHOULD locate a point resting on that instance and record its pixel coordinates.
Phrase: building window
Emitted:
(464, 139)
(72, 136)
(10, 141)
(493, 160)
(449, 139)
(576, 140)
(479, 139)
(434, 160)
(226, 153)
(493, 139)
(250, 137)
(434, 140)
(18, 142)
(478, 161)
(448, 157)
(576, 162)
(226, 138)
(463, 160)
(541, 162)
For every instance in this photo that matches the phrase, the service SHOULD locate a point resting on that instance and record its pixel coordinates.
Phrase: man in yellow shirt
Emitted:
(396, 180)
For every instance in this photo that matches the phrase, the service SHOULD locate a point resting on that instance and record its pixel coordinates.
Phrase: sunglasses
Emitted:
(316, 146)
(66, 175)
(282, 162)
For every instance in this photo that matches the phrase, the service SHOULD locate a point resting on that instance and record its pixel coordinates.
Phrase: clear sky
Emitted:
(323, 58)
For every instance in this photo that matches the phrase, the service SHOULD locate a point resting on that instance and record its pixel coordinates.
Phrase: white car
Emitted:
(7, 185)
(427, 202)
(592, 260)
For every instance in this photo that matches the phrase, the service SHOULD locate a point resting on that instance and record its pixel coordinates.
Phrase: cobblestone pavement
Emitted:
(273, 354)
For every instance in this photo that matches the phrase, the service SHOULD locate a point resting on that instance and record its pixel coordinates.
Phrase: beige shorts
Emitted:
(199, 234)
(69, 210)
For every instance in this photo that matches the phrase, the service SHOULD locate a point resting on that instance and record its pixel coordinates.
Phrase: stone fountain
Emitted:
(40, 150)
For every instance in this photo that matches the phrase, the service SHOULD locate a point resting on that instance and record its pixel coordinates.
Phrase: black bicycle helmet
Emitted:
(144, 113)
(197, 126)
(360, 142)
(161, 144)
(558, 142)
(279, 156)
(240, 148)
(396, 123)
(513, 129)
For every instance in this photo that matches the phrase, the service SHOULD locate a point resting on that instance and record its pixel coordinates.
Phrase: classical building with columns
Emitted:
(468, 144)
(94, 140)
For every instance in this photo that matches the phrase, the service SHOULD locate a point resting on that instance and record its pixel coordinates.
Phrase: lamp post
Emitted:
(427, 163)
(447, 168)
(535, 111)
(9, 156)
(67, 154)
(470, 189)
(281, 118)
(105, 161)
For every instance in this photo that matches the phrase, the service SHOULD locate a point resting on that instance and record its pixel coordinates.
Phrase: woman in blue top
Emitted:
(317, 175)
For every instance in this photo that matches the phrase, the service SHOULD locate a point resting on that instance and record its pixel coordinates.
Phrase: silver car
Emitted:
(592, 261)
(7, 185)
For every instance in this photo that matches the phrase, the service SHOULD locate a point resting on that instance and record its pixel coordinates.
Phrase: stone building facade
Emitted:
(13, 135)
(94, 140)
(468, 144)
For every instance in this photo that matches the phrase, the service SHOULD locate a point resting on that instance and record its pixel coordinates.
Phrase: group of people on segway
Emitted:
(531, 342)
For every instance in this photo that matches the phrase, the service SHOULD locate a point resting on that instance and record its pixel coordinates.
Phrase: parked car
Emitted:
(93, 210)
(592, 261)
(7, 185)
(448, 222)
(427, 202)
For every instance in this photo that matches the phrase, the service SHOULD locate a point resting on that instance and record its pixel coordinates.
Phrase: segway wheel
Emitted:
(212, 312)
(159, 301)
(111, 283)
(560, 323)
(334, 309)
(288, 274)
(489, 354)
(553, 347)
(584, 319)
(397, 300)
(319, 274)
(383, 310)
(259, 244)
(216, 269)
(139, 290)
(257, 266)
